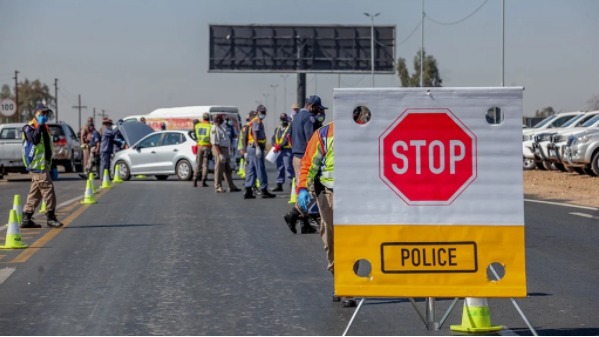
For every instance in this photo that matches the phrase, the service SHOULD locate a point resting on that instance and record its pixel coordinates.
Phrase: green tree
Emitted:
(432, 77)
(30, 94)
(545, 112)
(593, 103)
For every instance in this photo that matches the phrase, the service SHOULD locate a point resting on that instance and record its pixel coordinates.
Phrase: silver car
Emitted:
(160, 154)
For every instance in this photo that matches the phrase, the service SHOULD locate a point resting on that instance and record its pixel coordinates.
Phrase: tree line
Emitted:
(30, 94)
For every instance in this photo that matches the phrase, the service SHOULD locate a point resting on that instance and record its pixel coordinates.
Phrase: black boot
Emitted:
(204, 183)
(52, 221)
(279, 188)
(256, 190)
(291, 218)
(267, 195)
(27, 221)
(248, 193)
(195, 183)
(307, 228)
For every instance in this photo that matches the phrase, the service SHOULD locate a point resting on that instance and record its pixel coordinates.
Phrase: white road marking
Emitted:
(68, 202)
(586, 215)
(5, 273)
(561, 204)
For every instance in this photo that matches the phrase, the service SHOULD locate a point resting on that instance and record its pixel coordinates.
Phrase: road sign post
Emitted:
(429, 193)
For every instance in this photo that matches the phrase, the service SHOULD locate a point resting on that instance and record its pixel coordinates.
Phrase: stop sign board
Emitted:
(427, 156)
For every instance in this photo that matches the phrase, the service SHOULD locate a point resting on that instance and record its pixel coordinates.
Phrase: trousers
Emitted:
(325, 204)
(104, 164)
(202, 163)
(285, 164)
(41, 187)
(222, 169)
(255, 169)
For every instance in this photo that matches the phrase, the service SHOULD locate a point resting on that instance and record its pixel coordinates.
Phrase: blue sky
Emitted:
(132, 56)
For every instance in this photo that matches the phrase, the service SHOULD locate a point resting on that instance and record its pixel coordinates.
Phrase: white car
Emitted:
(582, 151)
(161, 154)
(528, 138)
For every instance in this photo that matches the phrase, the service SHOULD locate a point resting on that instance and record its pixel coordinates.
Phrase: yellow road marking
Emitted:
(33, 248)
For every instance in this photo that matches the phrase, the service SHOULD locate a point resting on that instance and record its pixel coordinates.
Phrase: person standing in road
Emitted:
(317, 171)
(302, 128)
(94, 150)
(38, 157)
(106, 145)
(255, 151)
(220, 151)
(85, 135)
(281, 141)
(204, 148)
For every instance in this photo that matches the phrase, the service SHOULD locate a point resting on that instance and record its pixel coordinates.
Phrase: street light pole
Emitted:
(284, 91)
(372, 43)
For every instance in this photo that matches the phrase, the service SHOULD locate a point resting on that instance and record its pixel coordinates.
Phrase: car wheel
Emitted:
(161, 177)
(124, 171)
(529, 164)
(548, 165)
(69, 165)
(578, 170)
(560, 167)
(595, 163)
(569, 169)
(589, 171)
(184, 170)
(540, 165)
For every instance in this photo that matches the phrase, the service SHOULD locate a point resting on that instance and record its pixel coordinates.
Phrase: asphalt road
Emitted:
(160, 257)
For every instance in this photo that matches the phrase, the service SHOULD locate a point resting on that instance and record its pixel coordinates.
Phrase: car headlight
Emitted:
(583, 139)
(558, 138)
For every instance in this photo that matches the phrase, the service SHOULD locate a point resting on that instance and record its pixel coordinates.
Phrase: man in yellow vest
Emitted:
(255, 154)
(204, 149)
(281, 142)
(38, 156)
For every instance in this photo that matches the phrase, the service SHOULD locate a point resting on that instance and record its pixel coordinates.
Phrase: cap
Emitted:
(284, 117)
(42, 107)
(261, 108)
(295, 106)
(206, 116)
(195, 121)
(315, 100)
(106, 120)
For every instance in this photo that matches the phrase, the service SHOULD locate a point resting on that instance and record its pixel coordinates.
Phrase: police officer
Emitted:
(281, 142)
(106, 145)
(204, 148)
(317, 171)
(303, 126)
(94, 150)
(220, 151)
(85, 133)
(255, 151)
(38, 157)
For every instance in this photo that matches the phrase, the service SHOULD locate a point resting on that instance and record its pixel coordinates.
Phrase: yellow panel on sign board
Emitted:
(430, 192)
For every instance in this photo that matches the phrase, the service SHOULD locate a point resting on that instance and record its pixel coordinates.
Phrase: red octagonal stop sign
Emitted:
(427, 156)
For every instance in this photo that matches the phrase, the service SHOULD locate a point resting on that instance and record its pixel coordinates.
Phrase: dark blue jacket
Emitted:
(302, 128)
(107, 141)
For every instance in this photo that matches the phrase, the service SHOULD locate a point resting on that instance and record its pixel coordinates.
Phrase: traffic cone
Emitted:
(257, 183)
(476, 316)
(117, 175)
(293, 198)
(241, 171)
(43, 206)
(16, 206)
(141, 176)
(89, 194)
(13, 233)
(91, 178)
(106, 180)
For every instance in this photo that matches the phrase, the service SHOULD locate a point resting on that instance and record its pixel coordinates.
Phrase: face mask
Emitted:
(321, 118)
(261, 116)
(283, 123)
(229, 122)
(42, 119)
(247, 120)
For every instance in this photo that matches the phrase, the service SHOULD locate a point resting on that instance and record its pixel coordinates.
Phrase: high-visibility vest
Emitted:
(326, 169)
(34, 156)
(279, 141)
(203, 134)
(251, 133)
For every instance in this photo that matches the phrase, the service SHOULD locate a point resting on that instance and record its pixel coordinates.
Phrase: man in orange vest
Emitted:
(255, 153)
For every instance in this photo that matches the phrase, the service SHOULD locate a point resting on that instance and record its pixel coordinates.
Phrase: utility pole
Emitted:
(103, 114)
(422, 47)
(94, 116)
(56, 99)
(372, 43)
(79, 107)
(266, 99)
(285, 107)
(17, 94)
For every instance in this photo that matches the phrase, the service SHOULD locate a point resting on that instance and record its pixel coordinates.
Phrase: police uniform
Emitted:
(256, 167)
(38, 157)
(204, 148)
(106, 146)
(281, 141)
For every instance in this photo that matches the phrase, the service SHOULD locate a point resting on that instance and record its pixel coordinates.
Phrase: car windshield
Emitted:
(544, 121)
(573, 121)
(591, 121)
(56, 130)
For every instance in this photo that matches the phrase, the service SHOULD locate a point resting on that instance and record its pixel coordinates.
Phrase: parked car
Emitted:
(552, 122)
(163, 153)
(582, 151)
(67, 148)
(550, 146)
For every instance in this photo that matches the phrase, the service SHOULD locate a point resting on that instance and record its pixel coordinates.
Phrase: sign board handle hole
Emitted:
(362, 268)
(495, 272)
(362, 115)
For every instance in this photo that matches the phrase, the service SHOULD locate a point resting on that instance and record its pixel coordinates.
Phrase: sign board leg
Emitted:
(431, 314)
(418, 311)
(353, 316)
(449, 310)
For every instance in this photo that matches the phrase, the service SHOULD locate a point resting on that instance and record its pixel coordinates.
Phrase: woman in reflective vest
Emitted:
(204, 150)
